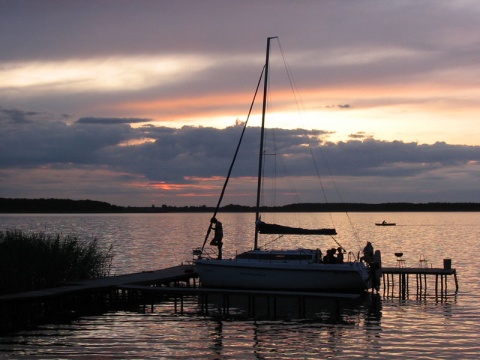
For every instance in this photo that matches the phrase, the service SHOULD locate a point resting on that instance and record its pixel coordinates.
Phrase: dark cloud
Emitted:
(359, 135)
(96, 120)
(342, 107)
(62, 29)
(372, 157)
(179, 155)
(37, 143)
(15, 116)
(205, 151)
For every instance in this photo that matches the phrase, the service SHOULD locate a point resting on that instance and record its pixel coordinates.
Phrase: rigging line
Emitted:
(289, 76)
(298, 102)
(274, 170)
(337, 242)
(234, 157)
(294, 87)
(355, 233)
(272, 241)
(300, 106)
(285, 170)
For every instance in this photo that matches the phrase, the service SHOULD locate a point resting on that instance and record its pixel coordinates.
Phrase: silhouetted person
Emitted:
(218, 236)
(340, 256)
(368, 253)
(330, 257)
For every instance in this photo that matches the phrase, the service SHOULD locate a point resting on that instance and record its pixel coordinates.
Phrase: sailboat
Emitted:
(285, 269)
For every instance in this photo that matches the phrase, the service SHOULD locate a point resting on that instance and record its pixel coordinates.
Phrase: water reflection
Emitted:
(279, 307)
(319, 326)
(217, 337)
(319, 329)
(374, 328)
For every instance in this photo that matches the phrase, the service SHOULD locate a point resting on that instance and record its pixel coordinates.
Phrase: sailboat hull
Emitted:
(239, 274)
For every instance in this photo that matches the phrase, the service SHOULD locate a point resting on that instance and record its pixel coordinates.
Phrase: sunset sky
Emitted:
(141, 102)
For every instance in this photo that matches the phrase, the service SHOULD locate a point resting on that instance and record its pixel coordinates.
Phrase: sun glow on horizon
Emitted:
(397, 111)
(341, 112)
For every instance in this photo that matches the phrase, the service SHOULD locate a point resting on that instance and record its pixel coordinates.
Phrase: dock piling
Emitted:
(441, 275)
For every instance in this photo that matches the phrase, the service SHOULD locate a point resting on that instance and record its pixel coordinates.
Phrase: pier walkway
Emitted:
(422, 274)
(21, 310)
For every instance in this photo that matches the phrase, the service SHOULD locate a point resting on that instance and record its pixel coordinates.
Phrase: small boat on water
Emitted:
(384, 223)
(297, 269)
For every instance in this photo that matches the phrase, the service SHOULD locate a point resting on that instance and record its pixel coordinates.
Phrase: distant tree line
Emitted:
(56, 206)
(90, 206)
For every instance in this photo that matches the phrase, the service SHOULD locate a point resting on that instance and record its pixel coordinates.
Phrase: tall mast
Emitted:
(262, 132)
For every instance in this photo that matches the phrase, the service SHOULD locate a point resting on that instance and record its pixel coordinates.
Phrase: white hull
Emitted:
(248, 274)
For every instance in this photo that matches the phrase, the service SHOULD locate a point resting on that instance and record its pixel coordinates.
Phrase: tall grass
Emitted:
(37, 260)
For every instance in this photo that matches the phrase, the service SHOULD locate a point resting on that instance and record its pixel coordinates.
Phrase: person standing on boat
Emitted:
(218, 236)
(368, 253)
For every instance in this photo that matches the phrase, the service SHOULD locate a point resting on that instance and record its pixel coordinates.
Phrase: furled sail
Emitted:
(264, 228)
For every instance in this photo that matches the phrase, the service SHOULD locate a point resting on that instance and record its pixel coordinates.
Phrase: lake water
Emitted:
(382, 327)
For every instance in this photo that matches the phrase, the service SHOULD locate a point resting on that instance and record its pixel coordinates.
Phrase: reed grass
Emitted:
(33, 261)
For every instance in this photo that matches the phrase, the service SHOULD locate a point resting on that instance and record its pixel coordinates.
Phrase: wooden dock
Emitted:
(398, 279)
(20, 310)
(63, 303)
(181, 273)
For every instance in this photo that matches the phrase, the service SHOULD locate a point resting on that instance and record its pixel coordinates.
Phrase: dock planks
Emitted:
(421, 274)
(167, 275)
(21, 310)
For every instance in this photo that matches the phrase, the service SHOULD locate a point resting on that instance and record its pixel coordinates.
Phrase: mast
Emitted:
(262, 133)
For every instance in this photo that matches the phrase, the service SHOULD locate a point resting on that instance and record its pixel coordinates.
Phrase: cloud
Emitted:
(345, 106)
(37, 143)
(360, 135)
(118, 45)
(194, 160)
(384, 79)
(94, 120)
(10, 117)
(125, 74)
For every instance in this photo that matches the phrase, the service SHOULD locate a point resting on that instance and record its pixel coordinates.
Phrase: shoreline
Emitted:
(67, 206)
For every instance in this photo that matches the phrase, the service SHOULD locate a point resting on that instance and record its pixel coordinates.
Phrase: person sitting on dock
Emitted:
(367, 253)
(218, 236)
